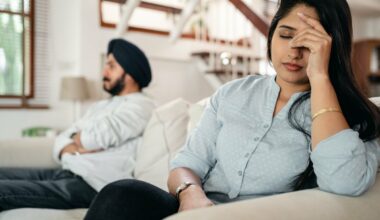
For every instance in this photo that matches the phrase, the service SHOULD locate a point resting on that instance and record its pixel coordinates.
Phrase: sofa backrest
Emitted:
(165, 133)
(375, 100)
(163, 137)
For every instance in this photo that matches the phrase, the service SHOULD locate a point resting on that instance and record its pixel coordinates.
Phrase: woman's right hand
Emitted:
(192, 198)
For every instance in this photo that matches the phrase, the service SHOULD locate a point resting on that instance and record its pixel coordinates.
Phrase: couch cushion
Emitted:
(309, 204)
(375, 100)
(43, 214)
(195, 113)
(164, 135)
(27, 152)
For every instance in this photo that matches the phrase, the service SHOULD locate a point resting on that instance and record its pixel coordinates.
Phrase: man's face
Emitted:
(113, 76)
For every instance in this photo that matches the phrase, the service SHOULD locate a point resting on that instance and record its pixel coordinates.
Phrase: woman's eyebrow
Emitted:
(288, 27)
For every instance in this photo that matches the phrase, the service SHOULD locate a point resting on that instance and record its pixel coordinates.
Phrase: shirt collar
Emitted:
(274, 93)
(276, 89)
(122, 97)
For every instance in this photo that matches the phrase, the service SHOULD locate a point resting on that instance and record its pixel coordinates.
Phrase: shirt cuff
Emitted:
(345, 143)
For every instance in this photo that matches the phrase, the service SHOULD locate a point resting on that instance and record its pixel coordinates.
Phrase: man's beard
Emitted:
(117, 87)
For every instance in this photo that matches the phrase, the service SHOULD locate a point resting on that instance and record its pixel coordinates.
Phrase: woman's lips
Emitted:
(292, 67)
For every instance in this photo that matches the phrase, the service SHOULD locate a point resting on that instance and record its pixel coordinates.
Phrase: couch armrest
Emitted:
(27, 152)
(375, 100)
(311, 204)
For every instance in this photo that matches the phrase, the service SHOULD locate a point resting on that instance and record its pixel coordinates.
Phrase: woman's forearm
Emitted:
(181, 175)
(327, 124)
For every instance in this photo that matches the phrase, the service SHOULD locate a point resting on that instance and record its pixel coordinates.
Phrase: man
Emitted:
(98, 149)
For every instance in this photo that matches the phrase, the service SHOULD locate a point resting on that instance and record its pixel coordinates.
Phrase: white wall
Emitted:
(366, 27)
(374, 27)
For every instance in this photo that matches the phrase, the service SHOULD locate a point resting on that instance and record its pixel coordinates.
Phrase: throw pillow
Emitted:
(164, 135)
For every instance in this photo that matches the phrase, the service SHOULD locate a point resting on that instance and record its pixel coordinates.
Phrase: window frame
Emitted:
(31, 52)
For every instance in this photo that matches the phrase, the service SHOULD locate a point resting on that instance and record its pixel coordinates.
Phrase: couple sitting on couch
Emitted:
(308, 126)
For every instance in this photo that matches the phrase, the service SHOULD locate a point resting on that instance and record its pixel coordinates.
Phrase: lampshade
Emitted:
(74, 88)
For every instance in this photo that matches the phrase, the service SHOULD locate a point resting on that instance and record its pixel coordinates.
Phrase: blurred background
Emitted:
(52, 52)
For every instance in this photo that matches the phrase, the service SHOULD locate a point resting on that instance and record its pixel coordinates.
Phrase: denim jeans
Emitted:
(43, 188)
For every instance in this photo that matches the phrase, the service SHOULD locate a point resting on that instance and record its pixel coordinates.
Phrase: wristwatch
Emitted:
(181, 188)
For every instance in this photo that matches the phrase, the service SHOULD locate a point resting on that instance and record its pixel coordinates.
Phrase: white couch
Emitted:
(165, 134)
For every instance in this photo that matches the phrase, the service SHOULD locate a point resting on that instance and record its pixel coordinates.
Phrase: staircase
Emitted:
(232, 33)
(243, 51)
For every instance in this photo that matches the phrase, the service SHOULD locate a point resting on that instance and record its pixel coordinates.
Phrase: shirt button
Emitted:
(266, 126)
(240, 173)
(256, 139)
(246, 155)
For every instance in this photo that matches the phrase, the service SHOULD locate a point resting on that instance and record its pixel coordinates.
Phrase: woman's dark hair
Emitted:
(361, 114)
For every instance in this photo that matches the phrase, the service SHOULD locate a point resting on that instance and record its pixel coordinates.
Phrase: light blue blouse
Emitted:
(239, 150)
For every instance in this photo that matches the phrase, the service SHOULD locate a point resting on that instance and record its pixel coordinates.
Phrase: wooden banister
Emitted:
(256, 21)
(152, 6)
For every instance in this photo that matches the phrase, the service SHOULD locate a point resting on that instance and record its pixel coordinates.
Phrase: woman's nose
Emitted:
(295, 53)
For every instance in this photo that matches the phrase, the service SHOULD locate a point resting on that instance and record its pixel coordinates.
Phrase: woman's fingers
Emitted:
(316, 35)
(304, 37)
(312, 45)
(318, 39)
(311, 31)
(323, 41)
(314, 23)
(318, 43)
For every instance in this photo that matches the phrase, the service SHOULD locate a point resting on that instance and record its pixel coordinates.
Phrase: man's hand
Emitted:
(73, 149)
(70, 148)
(76, 139)
(192, 198)
(80, 148)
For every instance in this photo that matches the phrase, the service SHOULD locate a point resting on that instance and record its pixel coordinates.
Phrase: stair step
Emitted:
(240, 58)
(221, 72)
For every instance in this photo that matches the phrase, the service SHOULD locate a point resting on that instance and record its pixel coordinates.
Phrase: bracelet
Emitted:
(324, 110)
(181, 188)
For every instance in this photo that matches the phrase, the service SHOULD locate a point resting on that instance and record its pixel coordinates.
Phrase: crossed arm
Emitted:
(94, 134)
(76, 147)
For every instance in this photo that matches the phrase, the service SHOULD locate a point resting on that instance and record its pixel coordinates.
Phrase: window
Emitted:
(24, 54)
(16, 48)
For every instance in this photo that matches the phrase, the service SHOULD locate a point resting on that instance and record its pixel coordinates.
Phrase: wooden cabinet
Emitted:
(366, 65)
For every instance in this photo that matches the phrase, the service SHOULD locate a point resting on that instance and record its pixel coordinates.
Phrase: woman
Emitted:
(266, 135)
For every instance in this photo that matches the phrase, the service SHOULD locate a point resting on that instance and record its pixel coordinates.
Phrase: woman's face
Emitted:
(290, 63)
